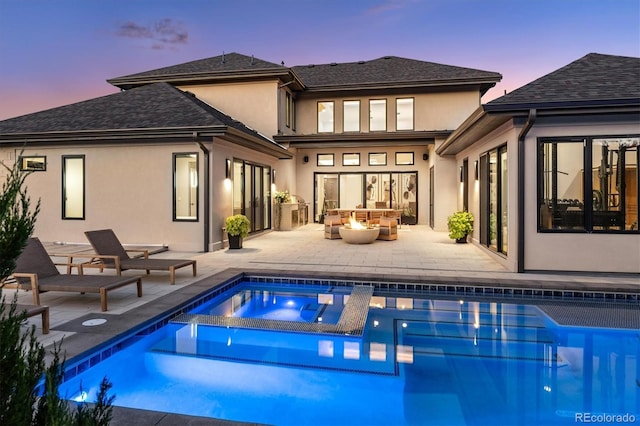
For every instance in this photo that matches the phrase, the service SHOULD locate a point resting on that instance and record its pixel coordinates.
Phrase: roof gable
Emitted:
(389, 70)
(592, 79)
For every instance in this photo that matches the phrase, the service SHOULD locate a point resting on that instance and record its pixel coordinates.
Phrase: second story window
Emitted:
(404, 114)
(290, 112)
(325, 117)
(377, 115)
(351, 116)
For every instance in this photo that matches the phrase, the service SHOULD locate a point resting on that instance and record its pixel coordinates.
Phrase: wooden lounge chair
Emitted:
(114, 255)
(388, 229)
(36, 271)
(31, 311)
(332, 225)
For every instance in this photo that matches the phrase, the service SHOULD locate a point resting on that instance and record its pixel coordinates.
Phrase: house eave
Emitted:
(362, 139)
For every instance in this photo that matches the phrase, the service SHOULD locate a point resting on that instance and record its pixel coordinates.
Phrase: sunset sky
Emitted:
(56, 52)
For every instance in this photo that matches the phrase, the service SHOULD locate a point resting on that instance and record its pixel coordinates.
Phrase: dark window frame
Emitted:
(333, 160)
(175, 156)
(64, 186)
(413, 158)
(350, 153)
(413, 114)
(333, 118)
(24, 163)
(378, 153)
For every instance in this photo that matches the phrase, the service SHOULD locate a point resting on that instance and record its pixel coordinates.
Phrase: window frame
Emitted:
(377, 164)
(356, 157)
(371, 118)
(64, 187)
(24, 163)
(333, 116)
(319, 158)
(586, 183)
(413, 114)
(413, 158)
(344, 116)
(174, 209)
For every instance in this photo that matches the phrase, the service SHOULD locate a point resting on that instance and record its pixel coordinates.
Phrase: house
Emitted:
(182, 147)
(550, 171)
(547, 168)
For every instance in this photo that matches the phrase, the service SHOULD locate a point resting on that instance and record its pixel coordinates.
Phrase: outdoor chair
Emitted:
(332, 224)
(36, 271)
(30, 311)
(114, 255)
(388, 229)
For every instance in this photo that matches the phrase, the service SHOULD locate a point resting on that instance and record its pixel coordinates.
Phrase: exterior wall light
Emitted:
(227, 171)
(475, 169)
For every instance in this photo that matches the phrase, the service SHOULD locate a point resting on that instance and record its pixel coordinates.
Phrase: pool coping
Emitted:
(149, 317)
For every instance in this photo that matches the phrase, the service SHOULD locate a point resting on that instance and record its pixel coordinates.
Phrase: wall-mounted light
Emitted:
(475, 170)
(425, 156)
(227, 171)
(461, 174)
(273, 176)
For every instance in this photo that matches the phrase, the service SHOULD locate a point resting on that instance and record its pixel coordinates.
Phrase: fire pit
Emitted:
(356, 233)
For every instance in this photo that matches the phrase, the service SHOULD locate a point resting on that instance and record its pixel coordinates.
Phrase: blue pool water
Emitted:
(418, 361)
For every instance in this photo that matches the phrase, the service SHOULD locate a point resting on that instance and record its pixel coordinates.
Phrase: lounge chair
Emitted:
(388, 229)
(114, 255)
(332, 224)
(31, 311)
(36, 271)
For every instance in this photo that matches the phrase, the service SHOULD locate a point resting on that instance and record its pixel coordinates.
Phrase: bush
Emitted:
(460, 225)
(237, 225)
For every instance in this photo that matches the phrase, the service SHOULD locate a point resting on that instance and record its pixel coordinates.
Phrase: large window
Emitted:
(494, 200)
(290, 113)
(588, 184)
(73, 182)
(325, 117)
(185, 187)
(404, 114)
(377, 115)
(398, 191)
(351, 116)
(252, 193)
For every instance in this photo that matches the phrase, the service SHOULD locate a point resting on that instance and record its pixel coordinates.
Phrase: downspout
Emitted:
(207, 188)
(521, 199)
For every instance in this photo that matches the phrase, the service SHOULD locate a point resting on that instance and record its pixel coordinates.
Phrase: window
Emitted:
(377, 115)
(404, 158)
(73, 183)
(377, 158)
(33, 163)
(290, 112)
(351, 116)
(350, 159)
(588, 184)
(404, 114)
(185, 187)
(494, 200)
(325, 117)
(325, 160)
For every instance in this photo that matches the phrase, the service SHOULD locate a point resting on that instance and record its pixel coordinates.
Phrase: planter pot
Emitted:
(235, 242)
(408, 220)
(462, 240)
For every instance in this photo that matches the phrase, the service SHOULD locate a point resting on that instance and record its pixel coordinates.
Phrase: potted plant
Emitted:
(408, 217)
(237, 227)
(460, 225)
(280, 197)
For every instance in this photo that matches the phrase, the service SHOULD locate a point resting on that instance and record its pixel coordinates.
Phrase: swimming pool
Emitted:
(416, 359)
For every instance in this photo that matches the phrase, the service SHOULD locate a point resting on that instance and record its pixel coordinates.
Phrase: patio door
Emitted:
(251, 192)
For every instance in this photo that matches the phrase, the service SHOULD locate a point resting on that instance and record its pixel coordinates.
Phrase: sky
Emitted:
(57, 52)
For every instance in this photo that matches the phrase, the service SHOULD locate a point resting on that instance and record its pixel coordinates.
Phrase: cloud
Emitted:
(162, 34)
(388, 5)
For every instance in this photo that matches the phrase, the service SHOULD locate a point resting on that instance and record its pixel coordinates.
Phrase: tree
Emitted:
(22, 358)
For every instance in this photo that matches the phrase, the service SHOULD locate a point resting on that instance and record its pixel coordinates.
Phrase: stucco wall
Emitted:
(254, 103)
(552, 251)
(432, 111)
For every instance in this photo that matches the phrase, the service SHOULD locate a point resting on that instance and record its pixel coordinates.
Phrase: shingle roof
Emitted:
(390, 70)
(157, 105)
(151, 107)
(594, 78)
(226, 64)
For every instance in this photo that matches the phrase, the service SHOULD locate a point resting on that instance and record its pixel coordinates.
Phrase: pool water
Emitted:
(419, 361)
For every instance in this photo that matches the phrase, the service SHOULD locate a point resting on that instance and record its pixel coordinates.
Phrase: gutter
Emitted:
(521, 201)
(207, 189)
